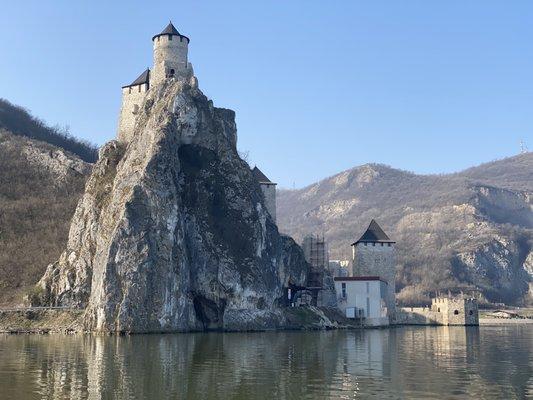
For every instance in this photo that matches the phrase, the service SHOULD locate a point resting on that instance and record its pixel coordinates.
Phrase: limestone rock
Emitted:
(172, 233)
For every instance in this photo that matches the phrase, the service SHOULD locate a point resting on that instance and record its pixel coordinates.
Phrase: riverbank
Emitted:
(38, 320)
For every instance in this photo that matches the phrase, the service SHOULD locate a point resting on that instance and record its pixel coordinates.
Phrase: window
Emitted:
(374, 244)
(343, 290)
(135, 108)
(367, 287)
(470, 312)
(172, 72)
(438, 309)
(139, 88)
(368, 307)
(456, 312)
(169, 37)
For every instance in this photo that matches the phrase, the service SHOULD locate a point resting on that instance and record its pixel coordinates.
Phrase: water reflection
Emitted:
(417, 362)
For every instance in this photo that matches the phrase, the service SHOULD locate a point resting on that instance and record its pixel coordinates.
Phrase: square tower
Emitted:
(374, 254)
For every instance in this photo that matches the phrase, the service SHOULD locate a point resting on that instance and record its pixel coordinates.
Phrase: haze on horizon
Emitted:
(424, 87)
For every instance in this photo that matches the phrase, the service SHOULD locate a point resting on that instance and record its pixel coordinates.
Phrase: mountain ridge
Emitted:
(486, 205)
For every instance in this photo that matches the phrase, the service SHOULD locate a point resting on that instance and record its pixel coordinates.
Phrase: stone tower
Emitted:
(170, 55)
(170, 62)
(374, 255)
(269, 191)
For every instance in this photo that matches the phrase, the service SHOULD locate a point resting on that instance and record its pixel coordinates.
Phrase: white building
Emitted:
(363, 297)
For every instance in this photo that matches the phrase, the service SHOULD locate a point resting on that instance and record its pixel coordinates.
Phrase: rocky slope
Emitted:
(40, 185)
(470, 231)
(172, 233)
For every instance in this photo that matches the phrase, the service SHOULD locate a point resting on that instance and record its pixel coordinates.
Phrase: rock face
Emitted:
(172, 233)
(471, 231)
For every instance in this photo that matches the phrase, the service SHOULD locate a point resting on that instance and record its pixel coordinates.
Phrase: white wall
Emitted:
(357, 293)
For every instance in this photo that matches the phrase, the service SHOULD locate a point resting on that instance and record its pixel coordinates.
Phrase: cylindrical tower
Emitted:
(170, 55)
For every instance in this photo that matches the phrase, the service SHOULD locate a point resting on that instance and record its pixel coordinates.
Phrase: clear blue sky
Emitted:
(318, 86)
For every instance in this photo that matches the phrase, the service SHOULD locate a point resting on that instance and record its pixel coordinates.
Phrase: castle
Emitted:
(171, 50)
(171, 61)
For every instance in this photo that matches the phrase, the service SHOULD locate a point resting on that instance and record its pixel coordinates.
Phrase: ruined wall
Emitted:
(371, 259)
(456, 311)
(443, 311)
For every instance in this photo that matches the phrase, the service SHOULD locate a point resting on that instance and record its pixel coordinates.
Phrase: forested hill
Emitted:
(18, 121)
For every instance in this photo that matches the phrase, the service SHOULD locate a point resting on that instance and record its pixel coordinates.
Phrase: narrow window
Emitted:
(169, 37)
(470, 312)
(456, 312)
(438, 309)
(343, 290)
(374, 244)
(129, 89)
(367, 287)
(172, 72)
(139, 88)
(381, 244)
(368, 307)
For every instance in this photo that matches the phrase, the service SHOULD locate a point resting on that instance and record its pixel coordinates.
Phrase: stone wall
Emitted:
(443, 311)
(456, 311)
(377, 259)
(132, 99)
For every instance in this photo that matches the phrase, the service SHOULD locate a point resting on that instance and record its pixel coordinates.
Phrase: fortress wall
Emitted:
(132, 98)
(377, 259)
(418, 316)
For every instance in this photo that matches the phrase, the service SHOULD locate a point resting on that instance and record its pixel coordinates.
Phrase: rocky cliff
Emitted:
(172, 233)
(471, 231)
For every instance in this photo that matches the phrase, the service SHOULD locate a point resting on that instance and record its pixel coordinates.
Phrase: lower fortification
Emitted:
(443, 311)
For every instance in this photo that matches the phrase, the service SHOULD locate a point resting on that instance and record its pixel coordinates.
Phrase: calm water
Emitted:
(403, 363)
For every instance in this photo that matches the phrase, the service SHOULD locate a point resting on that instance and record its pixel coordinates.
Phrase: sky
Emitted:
(318, 87)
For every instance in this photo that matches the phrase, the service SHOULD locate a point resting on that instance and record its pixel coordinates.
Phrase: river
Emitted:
(399, 363)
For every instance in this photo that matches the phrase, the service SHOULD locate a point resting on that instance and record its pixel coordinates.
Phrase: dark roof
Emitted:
(261, 178)
(359, 278)
(374, 234)
(143, 78)
(171, 30)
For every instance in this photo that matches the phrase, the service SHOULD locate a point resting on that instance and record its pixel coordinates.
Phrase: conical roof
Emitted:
(374, 234)
(261, 178)
(143, 78)
(170, 29)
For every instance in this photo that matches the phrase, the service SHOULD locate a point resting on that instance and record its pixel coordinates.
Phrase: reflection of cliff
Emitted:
(421, 362)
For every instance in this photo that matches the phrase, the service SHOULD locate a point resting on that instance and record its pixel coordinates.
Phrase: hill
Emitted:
(470, 231)
(40, 185)
(18, 121)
